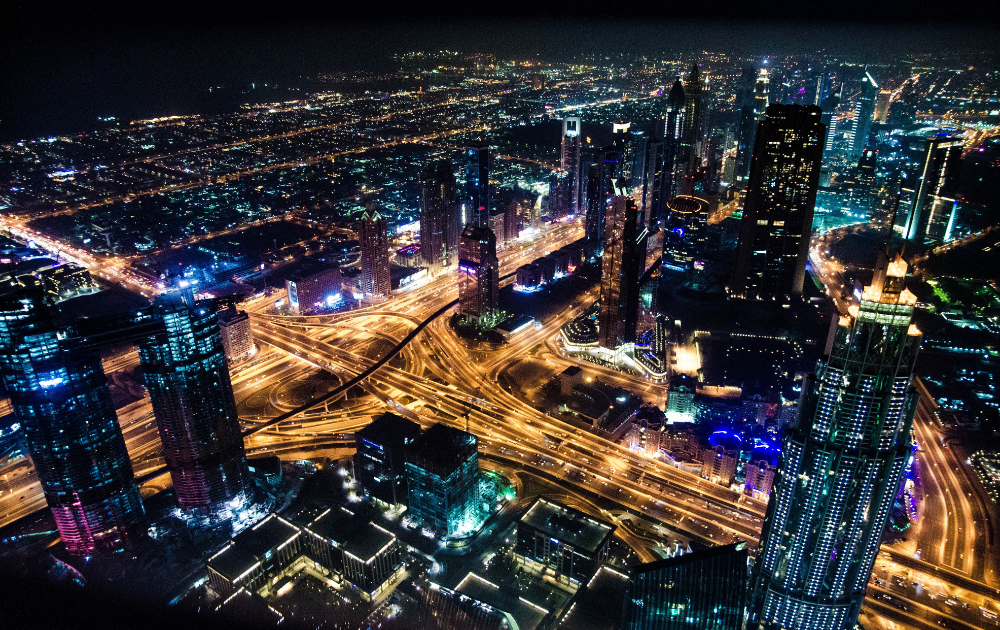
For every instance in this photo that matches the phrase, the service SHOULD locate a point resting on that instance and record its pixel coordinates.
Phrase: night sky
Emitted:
(64, 69)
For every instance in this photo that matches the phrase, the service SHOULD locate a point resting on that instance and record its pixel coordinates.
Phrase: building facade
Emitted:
(479, 277)
(778, 209)
(314, 288)
(563, 540)
(60, 396)
(188, 381)
(477, 184)
(373, 233)
(841, 467)
(703, 589)
(380, 461)
(619, 313)
(237, 337)
(439, 222)
(442, 472)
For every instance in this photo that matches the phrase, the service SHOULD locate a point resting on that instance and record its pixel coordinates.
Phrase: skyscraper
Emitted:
(702, 589)
(746, 100)
(442, 472)
(569, 160)
(936, 175)
(188, 382)
(864, 110)
(237, 337)
(673, 132)
(600, 188)
(479, 277)
(439, 229)
(373, 232)
(619, 281)
(60, 396)
(694, 120)
(477, 184)
(777, 213)
(379, 461)
(840, 467)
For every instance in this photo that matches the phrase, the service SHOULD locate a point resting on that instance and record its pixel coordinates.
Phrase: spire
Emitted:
(675, 100)
(694, 76)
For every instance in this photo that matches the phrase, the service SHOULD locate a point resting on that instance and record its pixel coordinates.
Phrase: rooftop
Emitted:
(568, 525)
(598, 605)
(441, 449)
(527, 615)
(390, 430)
(249, 547)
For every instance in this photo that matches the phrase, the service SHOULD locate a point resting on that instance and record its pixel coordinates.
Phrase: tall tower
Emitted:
(373, 232)
(673, 133)
(188, 382)
(694, 118)
(61, 397)
(777, 214)
(570, 160)
(600, 189)
(477, 184)
(619, 281)
(864, 110)
(936, 175)
(747, 124)
(479, 277)
(438, 222)
(841, 467)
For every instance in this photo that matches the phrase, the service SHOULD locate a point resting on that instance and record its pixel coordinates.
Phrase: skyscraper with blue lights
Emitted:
(841, 467)
(188, 382)
(60, 396)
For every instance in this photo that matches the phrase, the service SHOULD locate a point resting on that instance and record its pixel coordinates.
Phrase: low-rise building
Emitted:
(256, 557)
(569, 543)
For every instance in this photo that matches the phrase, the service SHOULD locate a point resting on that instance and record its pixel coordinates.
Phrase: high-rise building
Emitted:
(694, 119)
(701, 589)
(439, 224)
(619, 276)
(380, 461)
(237, 337)
(746, 109)
(936, 176)
(601, 181)
(373, 232)
(60, 396)
(477, 184)
(778, 209)
(841, 466)
(569, 160)
(479, 277)
(653, 183)
(442, 472)
(188, 382)
(864, 110)
(673, 133)
(882, 105)
(829, 118)
(498, 225)
(315, 286)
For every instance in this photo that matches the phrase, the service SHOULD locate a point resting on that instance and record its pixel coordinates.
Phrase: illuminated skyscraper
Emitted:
(600, 189)
(864, 110)
(60, 396)
(439, 221)
(373, 232)
(673, 133)
(379, 462)
(747, 124)
(936, 176)
(619, 276)
(570, 160)
(479, 277)
(188, 382)
(694, 119)
(840, 467)
(477, 184)
(777, 213)
(442, 472)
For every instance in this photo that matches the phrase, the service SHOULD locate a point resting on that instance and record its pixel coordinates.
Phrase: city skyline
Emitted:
(571, 334)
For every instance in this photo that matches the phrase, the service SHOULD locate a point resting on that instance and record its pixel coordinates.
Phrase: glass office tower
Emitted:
(841, 467)
(60, 396)
(192, 397)
(442, 472)
(704, 590)
(620, 273)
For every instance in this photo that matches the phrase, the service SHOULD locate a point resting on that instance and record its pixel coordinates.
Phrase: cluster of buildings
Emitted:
(60, 395)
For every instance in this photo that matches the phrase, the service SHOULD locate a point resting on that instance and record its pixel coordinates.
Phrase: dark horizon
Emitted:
(60, 81)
